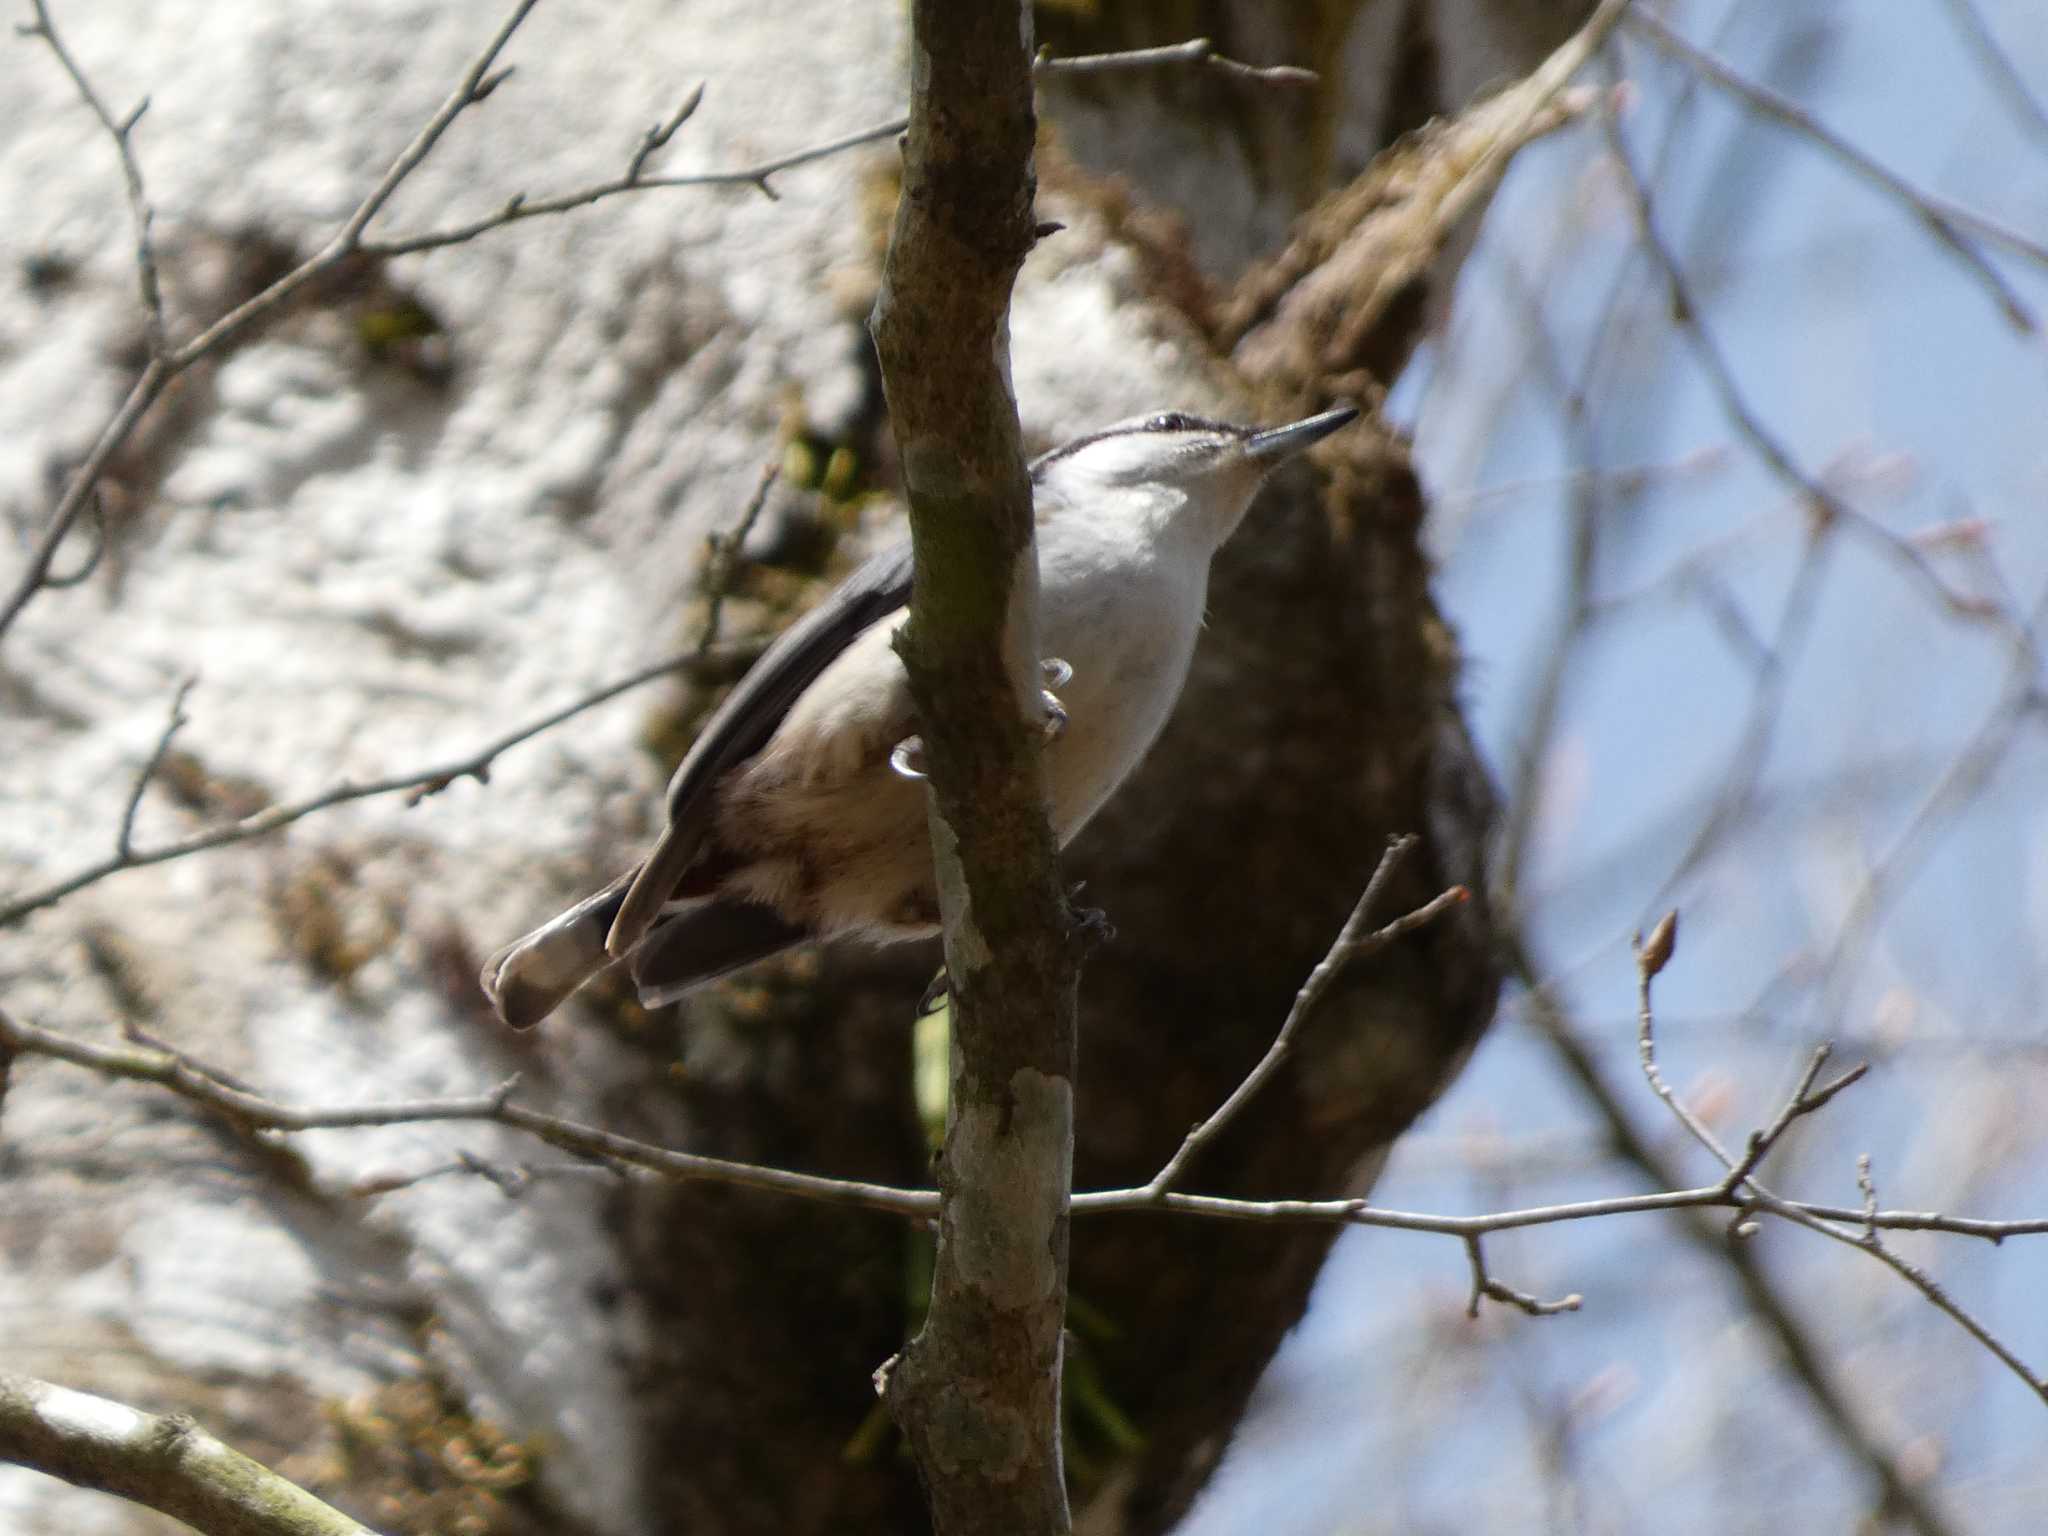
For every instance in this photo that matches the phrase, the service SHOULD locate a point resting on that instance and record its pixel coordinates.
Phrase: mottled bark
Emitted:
(164, 1462)
(977, 1391)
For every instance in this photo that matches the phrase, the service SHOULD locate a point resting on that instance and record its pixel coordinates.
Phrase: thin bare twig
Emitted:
(1816, 1374)
(124, 841)
(1964, 778)
(1486, 1287)
(57, 581)
(217, 1091)
(1352, 943)
(1823, 505)
(78, 495)
(1756, 1198)
(1944, 220)
(510, 1179)
(480, 78)
(1649, 961)
(661, 133)
(1362, 1213)
(416, 786)
(2005, 77)
(759, 176)
(725, 555)
(1869, 1242)
(122, 132)
(477, 82)
(167, 360)
(178, 1074)
(1196, 50)
(1804, 1100)
(519, 208)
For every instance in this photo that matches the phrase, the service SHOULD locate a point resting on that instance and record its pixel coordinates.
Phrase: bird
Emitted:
(797, 814)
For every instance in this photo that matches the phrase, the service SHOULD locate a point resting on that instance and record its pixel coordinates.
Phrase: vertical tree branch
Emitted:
(977, 1391)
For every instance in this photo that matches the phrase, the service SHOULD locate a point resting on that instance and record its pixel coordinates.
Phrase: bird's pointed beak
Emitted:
(1277, 443)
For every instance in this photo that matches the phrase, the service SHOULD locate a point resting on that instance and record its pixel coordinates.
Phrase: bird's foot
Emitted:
(1091, 925)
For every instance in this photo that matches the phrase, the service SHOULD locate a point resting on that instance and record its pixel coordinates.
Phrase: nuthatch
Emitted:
(797, 813)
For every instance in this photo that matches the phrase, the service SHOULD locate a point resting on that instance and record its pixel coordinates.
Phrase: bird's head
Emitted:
(1173, 469)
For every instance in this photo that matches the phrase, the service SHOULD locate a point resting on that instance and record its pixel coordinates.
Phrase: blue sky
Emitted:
(1889, 373)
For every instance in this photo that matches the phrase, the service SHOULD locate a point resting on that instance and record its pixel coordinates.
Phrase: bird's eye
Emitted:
(1171, 421)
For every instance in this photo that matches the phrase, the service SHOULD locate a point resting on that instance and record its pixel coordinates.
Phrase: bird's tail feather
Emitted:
(704, 942)
(532, 976)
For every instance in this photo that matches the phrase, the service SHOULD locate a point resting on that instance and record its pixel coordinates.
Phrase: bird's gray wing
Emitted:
(746, 720)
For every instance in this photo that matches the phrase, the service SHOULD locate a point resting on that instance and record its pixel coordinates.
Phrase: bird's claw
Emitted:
(908, 758)
(1055, 723)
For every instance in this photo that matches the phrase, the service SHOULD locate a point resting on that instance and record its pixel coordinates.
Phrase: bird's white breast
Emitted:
(1129, 632)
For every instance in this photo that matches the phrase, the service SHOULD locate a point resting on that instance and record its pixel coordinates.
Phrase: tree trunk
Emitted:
(721, 1342)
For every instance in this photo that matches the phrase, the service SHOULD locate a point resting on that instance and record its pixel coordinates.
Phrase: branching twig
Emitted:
(480, 78)
(478, 81)
(122, 132)
(1485, 1287)
(1809, 1363)
(1826, 508)
(1351, 943)
(1804, 1100)
(1757, 1198)
(519, 207)
(167, 361)
(200, 1085)
(416, 786)
(659, 135)
(1869, 1218)
(1826, 511)
(1944, 220)
(216, 1091)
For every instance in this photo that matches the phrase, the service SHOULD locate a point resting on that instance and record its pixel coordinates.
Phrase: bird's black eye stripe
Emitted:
(1166, 421)
(1187, 421)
